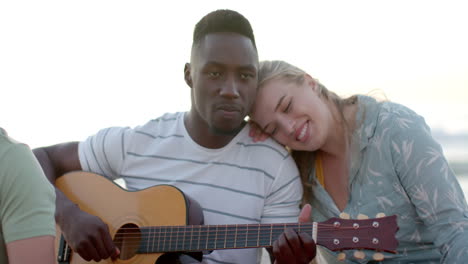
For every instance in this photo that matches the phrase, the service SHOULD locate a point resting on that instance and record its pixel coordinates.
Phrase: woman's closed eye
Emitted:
(272, 132)
(288, 107)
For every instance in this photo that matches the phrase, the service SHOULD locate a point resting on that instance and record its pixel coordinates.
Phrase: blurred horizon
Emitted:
(68, 69)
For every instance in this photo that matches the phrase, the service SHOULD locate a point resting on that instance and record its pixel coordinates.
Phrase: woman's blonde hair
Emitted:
(280, 70)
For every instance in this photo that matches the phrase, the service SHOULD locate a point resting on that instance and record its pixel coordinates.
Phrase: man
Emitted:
(206, 152)
(27, 205)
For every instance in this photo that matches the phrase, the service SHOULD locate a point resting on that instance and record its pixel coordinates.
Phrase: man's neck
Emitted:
(207, 137)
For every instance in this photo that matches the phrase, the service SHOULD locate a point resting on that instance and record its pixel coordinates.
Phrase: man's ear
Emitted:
(187, 76)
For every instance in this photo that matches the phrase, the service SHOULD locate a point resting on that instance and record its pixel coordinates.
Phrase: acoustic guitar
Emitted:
(148, 223)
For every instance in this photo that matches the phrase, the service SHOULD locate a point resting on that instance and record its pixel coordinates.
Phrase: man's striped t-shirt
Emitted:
(241, 183)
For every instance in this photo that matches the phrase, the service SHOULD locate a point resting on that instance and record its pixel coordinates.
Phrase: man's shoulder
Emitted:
(165, 121)
(168, 117)
(268, 149)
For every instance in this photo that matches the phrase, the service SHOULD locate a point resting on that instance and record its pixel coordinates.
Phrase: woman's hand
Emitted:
(256, 133)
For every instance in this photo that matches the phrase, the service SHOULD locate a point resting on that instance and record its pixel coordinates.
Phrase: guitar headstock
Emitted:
(375, 234)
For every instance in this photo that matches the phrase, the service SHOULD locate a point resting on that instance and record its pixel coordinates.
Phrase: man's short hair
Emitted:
(223, 20)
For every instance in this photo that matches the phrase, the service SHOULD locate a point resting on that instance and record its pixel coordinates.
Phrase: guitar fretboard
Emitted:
(206, 237)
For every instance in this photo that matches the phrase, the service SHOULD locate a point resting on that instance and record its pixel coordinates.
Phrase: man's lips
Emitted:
(228, 108)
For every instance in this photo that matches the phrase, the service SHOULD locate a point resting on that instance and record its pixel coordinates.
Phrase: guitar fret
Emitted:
(230, 236)
(159, 237)
(191, 238)
(225, 236)
(241, 232)
(235, 238)
(149, 239)
(207, 236)
(271, 234)
(258, 235)
(246, 235)
(216, 237)
(199, 234)
(176, 238)
(264, 240)
(170, 238)
(183, 239)
(152, 234)
(164, 239)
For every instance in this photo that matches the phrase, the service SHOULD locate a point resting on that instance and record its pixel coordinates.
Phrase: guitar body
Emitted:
(160, 205)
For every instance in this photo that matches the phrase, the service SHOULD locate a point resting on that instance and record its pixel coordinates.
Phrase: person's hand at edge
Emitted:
(256, 133)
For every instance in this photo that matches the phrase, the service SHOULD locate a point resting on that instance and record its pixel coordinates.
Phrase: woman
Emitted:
(362, 157)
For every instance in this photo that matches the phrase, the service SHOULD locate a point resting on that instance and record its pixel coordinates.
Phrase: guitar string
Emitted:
(235, 241)
(204, 232)
(195, 245)
(241, 227)
(379, 221)
(204, 229)
(229, 240)
(174, 238)
(173, 241)
(201, 236)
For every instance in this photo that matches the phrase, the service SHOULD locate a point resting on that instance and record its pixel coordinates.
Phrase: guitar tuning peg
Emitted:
(341, 256)
(378, 256)
(362, 216)
(380, 215)
(344, 215)
(359, 254)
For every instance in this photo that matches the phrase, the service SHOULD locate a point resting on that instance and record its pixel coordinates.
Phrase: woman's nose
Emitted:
(288, 125)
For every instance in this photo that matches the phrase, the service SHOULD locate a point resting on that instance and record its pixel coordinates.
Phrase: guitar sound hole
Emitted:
(128, 239)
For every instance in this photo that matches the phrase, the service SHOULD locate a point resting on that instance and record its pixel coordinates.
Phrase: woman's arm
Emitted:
(431, 185)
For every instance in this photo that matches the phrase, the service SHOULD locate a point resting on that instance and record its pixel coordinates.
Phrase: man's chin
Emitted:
(227, 131)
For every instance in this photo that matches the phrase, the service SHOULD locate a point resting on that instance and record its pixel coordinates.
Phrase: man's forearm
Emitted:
(47, 166)
(52, 173)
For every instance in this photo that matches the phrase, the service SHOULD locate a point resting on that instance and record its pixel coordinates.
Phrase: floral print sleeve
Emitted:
(430, 185)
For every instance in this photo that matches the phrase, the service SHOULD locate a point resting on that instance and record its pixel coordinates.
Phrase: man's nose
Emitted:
(230, 88)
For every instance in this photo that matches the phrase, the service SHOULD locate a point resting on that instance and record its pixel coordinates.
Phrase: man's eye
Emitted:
(246, 75)
(214, 74)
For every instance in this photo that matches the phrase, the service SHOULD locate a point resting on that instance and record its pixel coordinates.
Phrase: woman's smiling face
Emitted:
(292, 113)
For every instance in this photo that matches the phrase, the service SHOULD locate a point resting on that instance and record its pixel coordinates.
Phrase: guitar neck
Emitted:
(211, 237)
(334, 234)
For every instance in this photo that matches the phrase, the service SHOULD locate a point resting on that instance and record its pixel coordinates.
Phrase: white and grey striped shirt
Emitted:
(241, 183)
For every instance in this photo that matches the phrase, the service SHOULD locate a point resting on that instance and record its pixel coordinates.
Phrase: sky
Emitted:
(70, 68)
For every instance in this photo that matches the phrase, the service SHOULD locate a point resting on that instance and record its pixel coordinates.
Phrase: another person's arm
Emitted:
(27, 205)
(38, 250)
